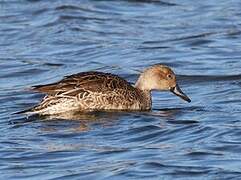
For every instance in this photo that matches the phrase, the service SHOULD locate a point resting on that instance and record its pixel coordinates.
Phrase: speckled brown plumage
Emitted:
(90, 91)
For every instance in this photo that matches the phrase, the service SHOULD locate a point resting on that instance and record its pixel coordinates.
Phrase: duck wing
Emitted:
(83, 82)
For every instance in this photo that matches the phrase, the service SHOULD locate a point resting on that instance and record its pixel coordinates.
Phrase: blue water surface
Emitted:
(42, 41)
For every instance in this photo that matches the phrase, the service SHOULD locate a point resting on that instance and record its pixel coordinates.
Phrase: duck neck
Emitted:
(144, 91)
(140, 83)
(146, 96)
(145, 99)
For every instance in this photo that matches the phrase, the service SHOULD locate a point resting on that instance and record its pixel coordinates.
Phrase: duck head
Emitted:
(161, 78)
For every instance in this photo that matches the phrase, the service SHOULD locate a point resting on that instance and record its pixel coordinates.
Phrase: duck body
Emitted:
(96, 91)
(89, 91)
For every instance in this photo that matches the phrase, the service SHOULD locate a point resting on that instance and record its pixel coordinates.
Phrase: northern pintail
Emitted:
(96, 91)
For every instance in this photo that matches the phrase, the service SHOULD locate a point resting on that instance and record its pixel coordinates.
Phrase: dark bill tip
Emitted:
(177, 91)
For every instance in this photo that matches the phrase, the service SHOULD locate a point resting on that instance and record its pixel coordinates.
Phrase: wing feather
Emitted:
(85, 82)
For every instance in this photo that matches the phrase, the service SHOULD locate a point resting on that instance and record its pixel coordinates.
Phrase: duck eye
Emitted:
(169, 76)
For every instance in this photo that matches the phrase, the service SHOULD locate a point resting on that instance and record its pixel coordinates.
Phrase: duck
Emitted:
(100, 91)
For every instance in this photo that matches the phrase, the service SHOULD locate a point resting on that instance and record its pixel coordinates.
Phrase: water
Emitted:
(42, 41)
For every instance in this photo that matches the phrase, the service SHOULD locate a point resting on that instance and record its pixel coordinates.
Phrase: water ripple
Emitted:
(43, 41)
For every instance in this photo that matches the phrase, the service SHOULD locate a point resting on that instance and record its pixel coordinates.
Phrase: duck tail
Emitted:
(28, 111)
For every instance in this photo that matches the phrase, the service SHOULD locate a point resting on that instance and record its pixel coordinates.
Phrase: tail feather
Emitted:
(27, 111)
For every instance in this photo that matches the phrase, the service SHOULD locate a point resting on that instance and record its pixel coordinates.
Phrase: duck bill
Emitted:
(177, 91)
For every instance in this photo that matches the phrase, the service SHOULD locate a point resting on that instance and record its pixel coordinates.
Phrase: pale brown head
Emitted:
(160, 77)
